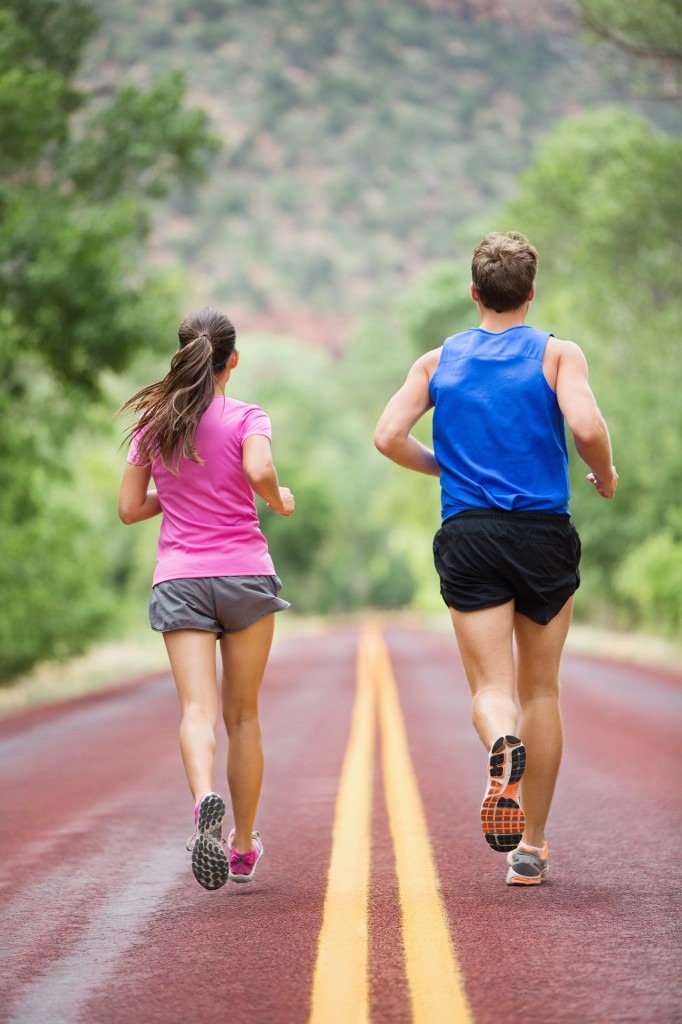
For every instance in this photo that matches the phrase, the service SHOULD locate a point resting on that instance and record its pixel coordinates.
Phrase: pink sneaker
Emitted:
(243, 865)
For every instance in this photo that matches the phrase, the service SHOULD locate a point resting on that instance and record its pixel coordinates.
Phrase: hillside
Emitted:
(358, 138)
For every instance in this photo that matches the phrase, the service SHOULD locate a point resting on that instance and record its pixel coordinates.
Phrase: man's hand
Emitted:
(607, 488)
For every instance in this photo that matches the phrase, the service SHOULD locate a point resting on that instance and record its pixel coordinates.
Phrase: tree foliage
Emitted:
(648, 29)
(348, 164)
(336, 554)
(603, 204)
(77, 175)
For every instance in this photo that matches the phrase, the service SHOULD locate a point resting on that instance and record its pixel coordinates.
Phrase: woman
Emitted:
(207, 454)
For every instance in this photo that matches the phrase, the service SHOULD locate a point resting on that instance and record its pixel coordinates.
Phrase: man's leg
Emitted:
(485, 643)
(539, 650)
(484, 639)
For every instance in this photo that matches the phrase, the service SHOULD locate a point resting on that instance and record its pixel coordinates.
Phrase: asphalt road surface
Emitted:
(378, 899)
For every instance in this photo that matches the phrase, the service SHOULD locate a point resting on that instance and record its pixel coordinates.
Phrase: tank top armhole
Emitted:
(550, 389)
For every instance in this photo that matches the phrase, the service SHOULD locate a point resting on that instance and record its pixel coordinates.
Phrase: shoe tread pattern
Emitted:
(502, 818)
(209, 862)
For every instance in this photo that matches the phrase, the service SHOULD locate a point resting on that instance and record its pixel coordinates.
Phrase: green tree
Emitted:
(649, 30)
(78, 172)
(603, 204)
(336, 554)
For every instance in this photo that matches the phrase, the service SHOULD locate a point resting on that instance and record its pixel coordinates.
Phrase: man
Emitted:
(506, 553)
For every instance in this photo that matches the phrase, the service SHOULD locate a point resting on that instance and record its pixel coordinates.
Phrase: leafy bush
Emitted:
(51, 579)
(650, 579)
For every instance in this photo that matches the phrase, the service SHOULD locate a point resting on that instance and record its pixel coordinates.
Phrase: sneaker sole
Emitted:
(514, 879)
(502, 819)
(242, 879)
(209, 862)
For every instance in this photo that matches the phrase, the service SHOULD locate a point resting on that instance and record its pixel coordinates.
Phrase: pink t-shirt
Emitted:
(210, 524)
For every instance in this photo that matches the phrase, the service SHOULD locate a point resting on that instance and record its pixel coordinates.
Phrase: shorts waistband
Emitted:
(501, 513)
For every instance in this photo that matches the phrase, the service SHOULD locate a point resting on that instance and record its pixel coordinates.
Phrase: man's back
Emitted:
(497, 428)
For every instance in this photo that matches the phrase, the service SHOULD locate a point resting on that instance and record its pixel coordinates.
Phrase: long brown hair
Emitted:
(170, 410)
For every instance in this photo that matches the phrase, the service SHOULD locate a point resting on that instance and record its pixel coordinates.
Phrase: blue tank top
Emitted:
(498, 432)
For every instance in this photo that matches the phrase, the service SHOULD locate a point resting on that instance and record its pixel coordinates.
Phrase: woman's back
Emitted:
(210, 523)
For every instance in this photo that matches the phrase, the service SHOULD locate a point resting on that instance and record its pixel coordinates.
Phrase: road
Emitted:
(378, 899)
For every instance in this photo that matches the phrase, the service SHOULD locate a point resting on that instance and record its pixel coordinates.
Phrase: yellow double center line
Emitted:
(340, 984)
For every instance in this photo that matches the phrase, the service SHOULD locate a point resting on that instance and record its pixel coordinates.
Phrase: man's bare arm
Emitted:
(392, 436)
(585, 421)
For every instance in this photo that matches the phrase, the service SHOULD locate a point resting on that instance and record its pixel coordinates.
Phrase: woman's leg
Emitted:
(192, 655)
(245, 655)
(539, 650)
(484, 639)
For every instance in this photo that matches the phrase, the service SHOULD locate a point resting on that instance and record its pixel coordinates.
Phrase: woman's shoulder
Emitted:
(236, 407)
(247, 418)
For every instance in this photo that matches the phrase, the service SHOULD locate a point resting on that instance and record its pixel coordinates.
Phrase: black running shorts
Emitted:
(486, 557)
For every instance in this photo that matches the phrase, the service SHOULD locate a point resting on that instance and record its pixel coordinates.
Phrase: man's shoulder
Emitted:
(429, 361)
(563, 349)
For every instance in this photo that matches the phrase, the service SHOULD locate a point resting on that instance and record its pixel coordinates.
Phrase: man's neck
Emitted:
(495, 323)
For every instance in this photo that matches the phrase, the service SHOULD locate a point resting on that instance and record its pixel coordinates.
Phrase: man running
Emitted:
(507, 553)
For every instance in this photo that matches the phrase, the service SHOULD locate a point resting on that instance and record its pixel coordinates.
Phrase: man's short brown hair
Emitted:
(503, 270)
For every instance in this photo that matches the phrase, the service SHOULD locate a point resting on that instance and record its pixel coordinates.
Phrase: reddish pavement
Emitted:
(102, 920)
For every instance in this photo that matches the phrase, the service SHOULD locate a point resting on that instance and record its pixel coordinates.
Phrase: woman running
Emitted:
(207, 454)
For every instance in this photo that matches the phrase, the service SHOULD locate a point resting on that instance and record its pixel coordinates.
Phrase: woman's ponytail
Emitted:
(171, 409)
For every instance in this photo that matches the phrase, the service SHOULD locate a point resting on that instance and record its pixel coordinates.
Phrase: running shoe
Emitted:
(502, 819)
(243, 865)
(189, 845)
(527, 865)
(209, 862)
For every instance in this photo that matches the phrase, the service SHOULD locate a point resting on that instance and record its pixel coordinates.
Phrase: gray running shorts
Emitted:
(216, 604)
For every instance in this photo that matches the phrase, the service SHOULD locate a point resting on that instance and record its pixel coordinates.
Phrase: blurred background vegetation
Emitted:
(321, 172)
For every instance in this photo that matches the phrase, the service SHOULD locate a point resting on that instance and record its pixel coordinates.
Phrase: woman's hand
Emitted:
(287, 503)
